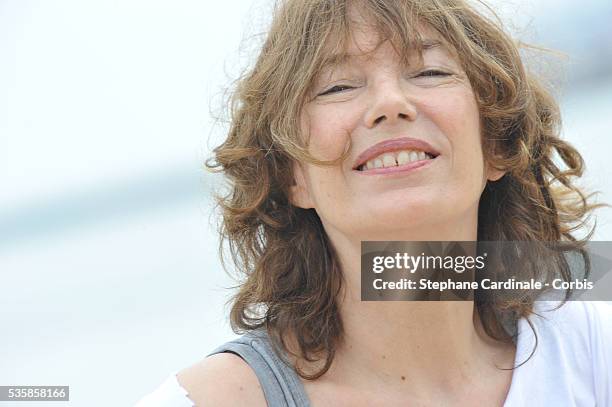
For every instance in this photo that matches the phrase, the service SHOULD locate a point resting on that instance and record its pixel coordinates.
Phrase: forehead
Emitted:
(361, 38)
(355, 54)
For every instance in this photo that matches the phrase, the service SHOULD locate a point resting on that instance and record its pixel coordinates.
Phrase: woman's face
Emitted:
(393, 114)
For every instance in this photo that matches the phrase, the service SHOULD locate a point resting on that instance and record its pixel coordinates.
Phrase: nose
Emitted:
(390, 103)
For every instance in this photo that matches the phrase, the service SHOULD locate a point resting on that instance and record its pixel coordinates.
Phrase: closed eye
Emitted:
(341, 88)
(432, 72)
(335, 89)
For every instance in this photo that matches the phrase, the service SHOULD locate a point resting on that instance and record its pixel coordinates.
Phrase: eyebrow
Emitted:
(336, 60)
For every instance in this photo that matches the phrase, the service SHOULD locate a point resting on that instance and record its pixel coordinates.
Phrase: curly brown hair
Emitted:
(290, 275)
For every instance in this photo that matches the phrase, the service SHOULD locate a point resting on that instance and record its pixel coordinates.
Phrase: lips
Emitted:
(401, 143)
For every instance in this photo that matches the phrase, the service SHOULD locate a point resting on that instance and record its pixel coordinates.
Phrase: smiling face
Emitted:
(422, 120)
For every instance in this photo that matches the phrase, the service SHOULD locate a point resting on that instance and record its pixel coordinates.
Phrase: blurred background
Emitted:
(109, 273)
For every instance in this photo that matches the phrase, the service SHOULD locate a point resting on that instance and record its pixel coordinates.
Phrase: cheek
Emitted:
(327, 188)
(457, 116)
(329, 129)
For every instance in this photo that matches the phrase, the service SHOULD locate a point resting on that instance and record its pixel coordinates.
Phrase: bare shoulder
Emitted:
(223, 379)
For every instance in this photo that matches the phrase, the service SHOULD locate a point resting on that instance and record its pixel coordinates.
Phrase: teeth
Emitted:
(403, 158)
(396, 158)
(389, 160)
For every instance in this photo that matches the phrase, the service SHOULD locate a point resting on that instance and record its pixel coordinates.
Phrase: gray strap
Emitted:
(280, 383)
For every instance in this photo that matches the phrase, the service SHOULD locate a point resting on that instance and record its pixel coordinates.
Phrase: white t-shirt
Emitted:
(572, 364)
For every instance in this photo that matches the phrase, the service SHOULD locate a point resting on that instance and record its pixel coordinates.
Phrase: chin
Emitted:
(390, 222)
(422, 217)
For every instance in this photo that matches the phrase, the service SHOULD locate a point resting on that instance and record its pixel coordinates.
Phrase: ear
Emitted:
(493, 174)
(299, 192)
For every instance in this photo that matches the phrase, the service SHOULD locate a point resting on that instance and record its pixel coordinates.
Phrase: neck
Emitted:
(425, 345)
(420, 340)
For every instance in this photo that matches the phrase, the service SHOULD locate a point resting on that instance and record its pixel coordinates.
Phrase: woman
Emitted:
(392, 120)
